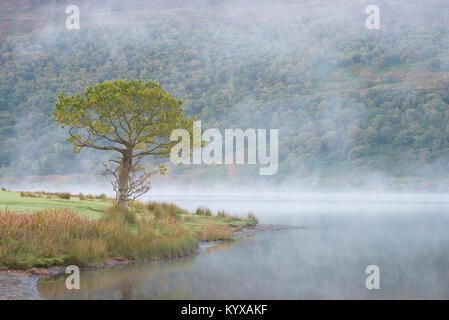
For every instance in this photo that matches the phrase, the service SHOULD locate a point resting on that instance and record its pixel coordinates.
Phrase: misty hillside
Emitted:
(348, 101)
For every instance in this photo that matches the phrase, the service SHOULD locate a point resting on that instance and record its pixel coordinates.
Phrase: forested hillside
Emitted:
(345, 99)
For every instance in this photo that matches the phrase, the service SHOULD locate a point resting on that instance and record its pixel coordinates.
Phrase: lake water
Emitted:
(406, 236)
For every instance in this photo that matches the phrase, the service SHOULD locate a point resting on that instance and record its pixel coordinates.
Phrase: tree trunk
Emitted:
(123, 178)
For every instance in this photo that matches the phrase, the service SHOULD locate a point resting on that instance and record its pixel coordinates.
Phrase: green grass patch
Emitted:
(89, 207)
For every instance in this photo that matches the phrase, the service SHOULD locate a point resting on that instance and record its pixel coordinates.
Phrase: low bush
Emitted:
(29, 194)
(63, 195)
(203, 212)
(102, 196)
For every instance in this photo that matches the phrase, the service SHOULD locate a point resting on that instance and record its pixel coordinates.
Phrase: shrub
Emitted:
(102, 196)
(81, 196)
(4, 189)
(29, 194)
(64, 195)
(203, 212)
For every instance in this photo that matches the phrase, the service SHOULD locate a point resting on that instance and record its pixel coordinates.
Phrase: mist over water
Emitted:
(405, 236)
(355, 110)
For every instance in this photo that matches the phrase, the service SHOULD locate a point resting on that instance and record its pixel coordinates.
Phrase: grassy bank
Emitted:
(38, 229)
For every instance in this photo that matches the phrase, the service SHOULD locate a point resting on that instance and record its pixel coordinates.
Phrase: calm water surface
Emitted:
(407, 237)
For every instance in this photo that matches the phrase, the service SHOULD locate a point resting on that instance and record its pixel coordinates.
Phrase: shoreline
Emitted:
(21, 284)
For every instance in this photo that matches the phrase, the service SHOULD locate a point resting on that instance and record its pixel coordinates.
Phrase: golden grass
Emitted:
(120, 214)
(213, 232)
(223, 214)
(59, 236)
(40, 236)
(162, 209)
(252, 217)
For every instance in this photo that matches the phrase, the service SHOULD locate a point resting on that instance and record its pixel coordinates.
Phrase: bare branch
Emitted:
(138, 183)
(85, 143)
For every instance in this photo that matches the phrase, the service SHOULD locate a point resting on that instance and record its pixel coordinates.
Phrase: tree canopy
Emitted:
(133, 118)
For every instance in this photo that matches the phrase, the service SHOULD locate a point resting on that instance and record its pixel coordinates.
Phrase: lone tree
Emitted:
(133, 118)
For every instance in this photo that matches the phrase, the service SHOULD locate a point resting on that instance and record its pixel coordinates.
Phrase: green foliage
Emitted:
(102, 196)
(64, 195)
(133, 118)
(29, 194)
(122, 114)
(343, 98)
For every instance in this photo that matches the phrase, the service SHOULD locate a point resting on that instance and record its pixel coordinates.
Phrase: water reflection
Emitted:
(134, 281)
(408, 242)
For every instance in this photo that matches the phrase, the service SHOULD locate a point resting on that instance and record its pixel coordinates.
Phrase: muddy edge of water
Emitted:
(21, 285)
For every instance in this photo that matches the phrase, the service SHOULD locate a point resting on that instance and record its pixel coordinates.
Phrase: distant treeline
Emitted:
(342, 97)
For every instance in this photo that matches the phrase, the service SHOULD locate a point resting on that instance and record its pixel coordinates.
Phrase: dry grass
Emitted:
(252, 217)
(223, 214)
(212, 232)
(161, 210)
(120, 214)
(49, 237)
(45, 237)
(137, 205)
